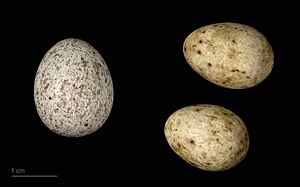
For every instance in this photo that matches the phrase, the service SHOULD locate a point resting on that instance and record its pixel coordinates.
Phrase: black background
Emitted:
(142, 46)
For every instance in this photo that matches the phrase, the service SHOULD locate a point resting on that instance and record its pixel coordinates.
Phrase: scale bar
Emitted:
(34, 176)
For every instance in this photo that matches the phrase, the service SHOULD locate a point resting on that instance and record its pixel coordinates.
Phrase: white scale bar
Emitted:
(34, 176)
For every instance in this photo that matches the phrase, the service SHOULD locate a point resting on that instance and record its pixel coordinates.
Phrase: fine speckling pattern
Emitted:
(230, 55)
(73, 89)
(208, 137)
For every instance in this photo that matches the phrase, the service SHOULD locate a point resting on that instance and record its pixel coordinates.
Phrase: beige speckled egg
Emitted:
(230, 55)
(208, 137)
(73, 89)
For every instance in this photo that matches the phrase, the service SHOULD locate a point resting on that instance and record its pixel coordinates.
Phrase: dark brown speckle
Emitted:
(192, 141)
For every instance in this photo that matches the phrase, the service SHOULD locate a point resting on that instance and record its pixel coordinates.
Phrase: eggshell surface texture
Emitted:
(73, 89)
(208, 137)
(230, 55)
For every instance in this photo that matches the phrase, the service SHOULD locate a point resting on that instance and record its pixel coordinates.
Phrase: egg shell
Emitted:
(208, 137)
(230, 55)
(73, 89)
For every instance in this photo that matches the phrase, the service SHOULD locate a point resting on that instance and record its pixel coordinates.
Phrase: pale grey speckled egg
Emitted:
(230, 55)
(208, 137)
(73, 89)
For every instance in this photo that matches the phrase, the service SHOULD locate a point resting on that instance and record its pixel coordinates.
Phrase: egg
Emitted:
(230, 55)
(73, 89)
(209, 137)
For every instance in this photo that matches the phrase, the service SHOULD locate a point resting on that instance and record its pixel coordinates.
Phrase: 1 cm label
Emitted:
(18, 170)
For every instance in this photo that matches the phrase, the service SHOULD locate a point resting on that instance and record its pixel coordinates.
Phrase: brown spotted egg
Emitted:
(230, 55)
(73, 89)
(208, 137)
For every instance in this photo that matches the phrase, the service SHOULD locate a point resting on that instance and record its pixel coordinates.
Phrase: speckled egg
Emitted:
(73, 89)
(230, 55)
(208, 137)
